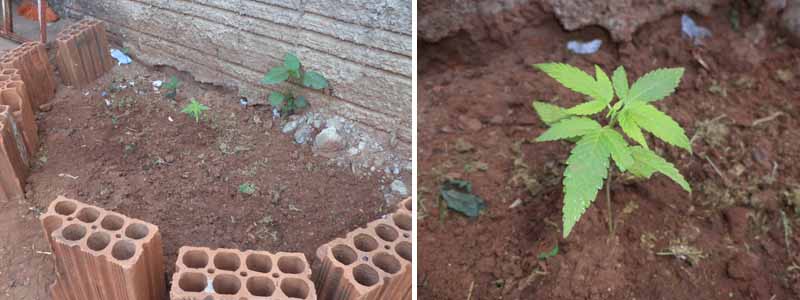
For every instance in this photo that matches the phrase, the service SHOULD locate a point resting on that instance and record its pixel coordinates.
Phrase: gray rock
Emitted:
(399, 188)
(302, 135)
(292, 125)
(328, 142)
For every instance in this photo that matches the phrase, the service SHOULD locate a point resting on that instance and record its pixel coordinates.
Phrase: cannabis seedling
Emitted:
(291, 70)
(194, 109)
(595, 145)
(171, 87)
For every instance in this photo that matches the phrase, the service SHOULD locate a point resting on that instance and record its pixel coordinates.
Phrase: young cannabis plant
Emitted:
(291, 70)
(194, 109)
(595, 144)
(171, 87)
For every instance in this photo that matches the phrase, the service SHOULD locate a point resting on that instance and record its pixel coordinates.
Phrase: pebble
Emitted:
(399, 187)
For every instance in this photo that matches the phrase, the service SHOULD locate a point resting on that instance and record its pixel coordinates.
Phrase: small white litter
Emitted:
(121, 57)
(157, 84)
(589, 47)
(694, 32)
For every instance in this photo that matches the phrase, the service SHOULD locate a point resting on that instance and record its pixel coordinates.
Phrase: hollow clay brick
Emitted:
(369, 263)
(202, 273)
(83, 52)
(102, 255)
(14, 94)
(405, 205)
(14, 166)
(31, 61)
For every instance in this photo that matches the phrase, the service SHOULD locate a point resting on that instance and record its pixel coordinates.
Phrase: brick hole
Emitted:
(291, 265)
(5, 78)
(195, 259)
(365, 242)
(226, 261)
(112, 222)
(406, 235)
(295, 288)
(243, 274)
(94, 227)
(404, 250)
(276, 275)
(260, 286)
(70, 219)
(386, 232)
(192, 282)
(408, 205)
(52, 223)
(137, 231)
(88, 214)
(344, 254)
(98, 241)
(386, 262)
(210, 270)
(403, 221)
(66, 208)
(365, 275)
(387, 247)
(74, 232)
(123, 250)
(226, 284)
(118, 235)
(259, 263)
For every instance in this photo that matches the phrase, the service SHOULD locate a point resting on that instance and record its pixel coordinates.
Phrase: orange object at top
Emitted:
(30, 11)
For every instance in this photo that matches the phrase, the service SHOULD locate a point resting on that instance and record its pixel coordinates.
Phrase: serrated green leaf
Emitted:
(587, 108)
(291, 62)
(604, 88)
(655, 85)
(658, 123)
(314, 80)
(620, 151)
(620, 79)
(572, 78)
(647, 162)
(276, 75)
(276, 99)
(549, 113)
(587, 167)
(631, 129)
(569, 128)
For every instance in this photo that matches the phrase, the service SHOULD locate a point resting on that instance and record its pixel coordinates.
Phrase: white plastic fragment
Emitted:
(157, 83)
(694, 32)
(170, 119)
(121, 57)
(589, 47)
(108, 102)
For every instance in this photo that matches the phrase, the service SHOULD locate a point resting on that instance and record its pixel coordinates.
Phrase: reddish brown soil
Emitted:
(481, 93)
(180, 175)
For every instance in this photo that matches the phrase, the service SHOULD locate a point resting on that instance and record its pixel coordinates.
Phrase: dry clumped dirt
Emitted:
(735, 237)
(139, 156)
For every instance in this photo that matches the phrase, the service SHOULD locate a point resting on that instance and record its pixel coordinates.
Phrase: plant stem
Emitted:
(608, 199)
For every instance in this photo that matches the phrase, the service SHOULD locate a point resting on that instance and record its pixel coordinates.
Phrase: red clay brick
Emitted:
(202, 273)
(83, 52)
(13, 93)
(31, 61)
(14, 166)
(369, 263)
(103, 255)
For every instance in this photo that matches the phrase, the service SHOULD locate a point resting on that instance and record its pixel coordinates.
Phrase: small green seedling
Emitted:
(194, 109)
(595, 144)
(545, 255)
(247, 188)
(171, 87)
(288, 102)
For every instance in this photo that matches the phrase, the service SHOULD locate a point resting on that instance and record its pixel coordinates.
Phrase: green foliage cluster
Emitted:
(292, 70)
(171, 87)
(595, 144)
(194, 109)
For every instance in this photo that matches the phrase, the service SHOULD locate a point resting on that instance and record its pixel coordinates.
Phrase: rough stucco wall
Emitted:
(363, 47)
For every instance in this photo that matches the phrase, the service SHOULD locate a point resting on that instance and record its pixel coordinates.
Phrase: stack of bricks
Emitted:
(203, 273)
(369, 263)
(33, 65)
(83, 53)
(101, 255)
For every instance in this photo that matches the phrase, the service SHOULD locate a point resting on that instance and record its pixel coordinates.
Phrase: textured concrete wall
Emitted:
(362, 46)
